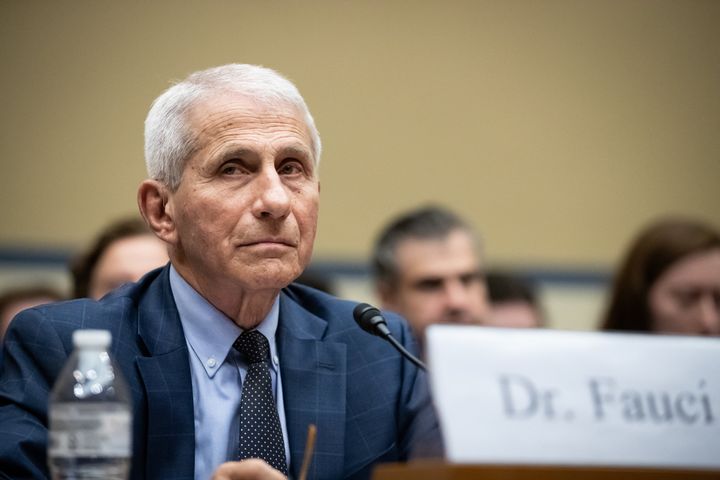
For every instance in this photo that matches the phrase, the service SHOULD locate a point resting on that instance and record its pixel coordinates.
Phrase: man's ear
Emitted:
(156, 208)
(385, 294)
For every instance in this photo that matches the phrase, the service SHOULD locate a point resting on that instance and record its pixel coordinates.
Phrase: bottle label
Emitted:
(89, 429)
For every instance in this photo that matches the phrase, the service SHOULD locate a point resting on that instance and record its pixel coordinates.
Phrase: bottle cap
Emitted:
(92, 338)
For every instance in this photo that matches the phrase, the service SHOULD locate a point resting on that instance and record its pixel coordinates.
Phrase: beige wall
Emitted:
(558, 127)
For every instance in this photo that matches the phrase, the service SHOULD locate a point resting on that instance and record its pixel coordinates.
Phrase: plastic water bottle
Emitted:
(90, 414)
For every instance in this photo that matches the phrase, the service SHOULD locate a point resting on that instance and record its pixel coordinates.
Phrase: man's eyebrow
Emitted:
(295, 151)
(473, 273)
(428, 281)
(236, 151)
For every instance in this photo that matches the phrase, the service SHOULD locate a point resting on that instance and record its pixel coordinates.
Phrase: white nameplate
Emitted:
(557, 397)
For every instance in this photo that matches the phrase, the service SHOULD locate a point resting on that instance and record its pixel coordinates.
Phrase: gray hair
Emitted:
(169, 139)
(426, 223)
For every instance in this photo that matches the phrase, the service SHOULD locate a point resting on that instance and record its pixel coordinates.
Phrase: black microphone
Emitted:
(371, 320)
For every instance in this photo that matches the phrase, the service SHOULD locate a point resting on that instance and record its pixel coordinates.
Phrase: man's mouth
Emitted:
(280, 242)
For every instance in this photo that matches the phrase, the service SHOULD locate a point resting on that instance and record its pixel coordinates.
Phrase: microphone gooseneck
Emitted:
(371, 320)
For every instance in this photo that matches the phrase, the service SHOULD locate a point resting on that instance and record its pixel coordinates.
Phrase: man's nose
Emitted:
(456, 295)
(273, 199)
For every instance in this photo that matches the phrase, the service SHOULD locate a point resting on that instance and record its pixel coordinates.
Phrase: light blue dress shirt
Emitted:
(217, 372)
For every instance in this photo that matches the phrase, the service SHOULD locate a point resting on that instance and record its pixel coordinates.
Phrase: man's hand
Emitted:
(250, 469)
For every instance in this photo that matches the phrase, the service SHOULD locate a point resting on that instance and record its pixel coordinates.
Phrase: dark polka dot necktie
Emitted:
(260, 432)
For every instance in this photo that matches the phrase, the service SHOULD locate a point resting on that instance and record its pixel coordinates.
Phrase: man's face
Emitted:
(440, 281)
(245, 213)
(513, 314)
(686, 298)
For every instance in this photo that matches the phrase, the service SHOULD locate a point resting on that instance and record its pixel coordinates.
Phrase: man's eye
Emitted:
(292, 167)
(470, 278)
(230, 169)
(429, 285)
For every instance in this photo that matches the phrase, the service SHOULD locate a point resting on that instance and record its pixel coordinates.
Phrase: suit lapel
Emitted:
(314, 389)
(165, 373)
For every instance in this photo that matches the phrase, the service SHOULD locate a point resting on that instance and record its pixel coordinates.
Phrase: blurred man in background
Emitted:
(513, 302)
(428, 268)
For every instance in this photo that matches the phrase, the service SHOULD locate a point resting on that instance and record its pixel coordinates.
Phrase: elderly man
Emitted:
(232, 155)
(427, 267)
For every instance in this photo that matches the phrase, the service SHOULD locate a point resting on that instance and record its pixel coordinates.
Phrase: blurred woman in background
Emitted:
(669, 281)
(122, 252)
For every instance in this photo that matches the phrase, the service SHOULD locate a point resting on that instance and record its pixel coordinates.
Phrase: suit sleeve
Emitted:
(33, 355)
(419, 428)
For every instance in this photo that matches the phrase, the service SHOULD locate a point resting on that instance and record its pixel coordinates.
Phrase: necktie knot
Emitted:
(254, 346)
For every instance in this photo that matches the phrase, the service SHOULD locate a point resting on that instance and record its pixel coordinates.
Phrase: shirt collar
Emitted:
(210, 333)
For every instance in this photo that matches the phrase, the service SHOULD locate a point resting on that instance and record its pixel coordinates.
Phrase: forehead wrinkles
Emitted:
(215, 123)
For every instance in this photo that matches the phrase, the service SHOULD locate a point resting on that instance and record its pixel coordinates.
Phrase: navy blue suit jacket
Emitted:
(369, 405)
